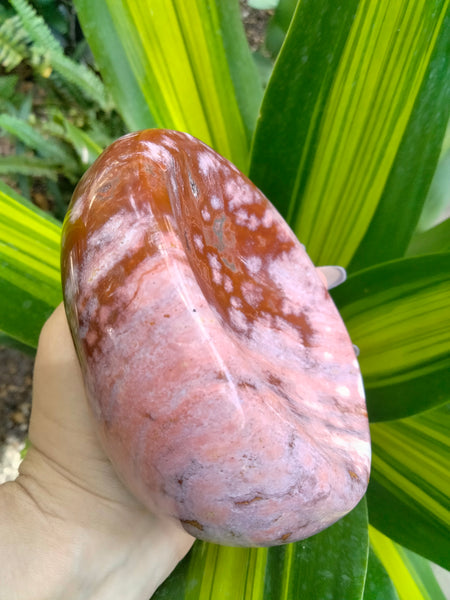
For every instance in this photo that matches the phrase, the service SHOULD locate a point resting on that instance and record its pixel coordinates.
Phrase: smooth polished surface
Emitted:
(223, 379)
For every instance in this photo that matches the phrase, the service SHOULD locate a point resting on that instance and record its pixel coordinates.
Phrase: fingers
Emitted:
(61, 425)
(332, 276)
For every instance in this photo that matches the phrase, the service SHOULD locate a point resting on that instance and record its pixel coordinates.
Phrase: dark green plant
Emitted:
(61, 124)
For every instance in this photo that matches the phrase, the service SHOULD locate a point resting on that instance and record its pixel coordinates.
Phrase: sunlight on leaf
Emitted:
(335, 116)
(397, 314)
(187, 66)
(331, 564)
(408, 493)
(410, 573)
(29, 267)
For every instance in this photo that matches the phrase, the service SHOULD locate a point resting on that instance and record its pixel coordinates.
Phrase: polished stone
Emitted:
(223, 380)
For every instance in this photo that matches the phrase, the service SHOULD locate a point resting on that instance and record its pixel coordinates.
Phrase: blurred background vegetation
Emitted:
(55, 115)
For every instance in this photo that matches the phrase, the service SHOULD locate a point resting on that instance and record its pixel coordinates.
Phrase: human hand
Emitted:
(75, 530)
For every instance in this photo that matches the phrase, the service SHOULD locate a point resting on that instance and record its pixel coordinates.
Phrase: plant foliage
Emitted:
(345, 142)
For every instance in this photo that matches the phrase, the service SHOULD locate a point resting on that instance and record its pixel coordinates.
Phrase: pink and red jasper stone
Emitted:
(222, 378)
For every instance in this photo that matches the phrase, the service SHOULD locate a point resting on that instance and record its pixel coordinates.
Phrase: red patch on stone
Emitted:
(211, 351)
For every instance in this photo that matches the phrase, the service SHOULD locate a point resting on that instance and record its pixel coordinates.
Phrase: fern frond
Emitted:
(35, 26)
(7, 86)
(47, 49)
(32, 138)
(13, 43)
(82, 77)
(29, 165)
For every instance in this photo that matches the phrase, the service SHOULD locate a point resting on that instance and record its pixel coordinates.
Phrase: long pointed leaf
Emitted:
(191, 64)
(331, 564)
(436, 239)
(410, 573)
(343, 97)
(397, 314)
(30, 285)
(412, 172)
(379, 585)
(408, 495)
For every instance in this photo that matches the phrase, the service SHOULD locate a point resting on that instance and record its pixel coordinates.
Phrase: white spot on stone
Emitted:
(198, 241)
(241, 217)
(355, 363)
(207, 163)
(214, 262)
(253, 264)
(186, 135)
(253, 223)
(156, 152)
(235, 302)
(361, 387)
(216, 267)
(251, 293)
(216, 203)
(217, 277)
(239, 194)
(267, 219)
(327, 355)
(169, 142)
(120, 236)
(343, 391)
(227, 284)
(206, 214)
(77, 209)
(238, 319)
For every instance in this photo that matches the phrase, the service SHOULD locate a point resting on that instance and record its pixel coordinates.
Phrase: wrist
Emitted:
(60, 541)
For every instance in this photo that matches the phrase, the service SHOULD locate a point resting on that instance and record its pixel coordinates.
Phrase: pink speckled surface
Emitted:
(224, 382)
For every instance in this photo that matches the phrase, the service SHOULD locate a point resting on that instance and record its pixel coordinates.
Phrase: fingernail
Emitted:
(334, 275)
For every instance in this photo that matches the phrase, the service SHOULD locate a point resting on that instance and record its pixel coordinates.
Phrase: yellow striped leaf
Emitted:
(410, 573)
(331, 564)
(30, 285)
(341, 122)
(408, 493)
(190, 63)
(397, 314)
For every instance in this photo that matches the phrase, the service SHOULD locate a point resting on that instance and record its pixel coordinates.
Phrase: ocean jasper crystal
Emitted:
(222, 378)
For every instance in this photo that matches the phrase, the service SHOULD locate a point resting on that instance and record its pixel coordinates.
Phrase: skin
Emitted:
(69, 529)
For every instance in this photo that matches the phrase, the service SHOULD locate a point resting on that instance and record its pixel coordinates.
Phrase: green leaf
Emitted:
(379, 585)
(278, 25)
(412, 172)
(30, 285)
(331, 564)
(436, 239)
(408, 495)
(109, 52)
(437, 203)
(32, 138)
(353, 90)
(86, 148)
(263, 4)
(46, 48)
(33, 165)
(397, 314)
(8, 342)
(190, 62)
(8, 85)
(410, 573)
